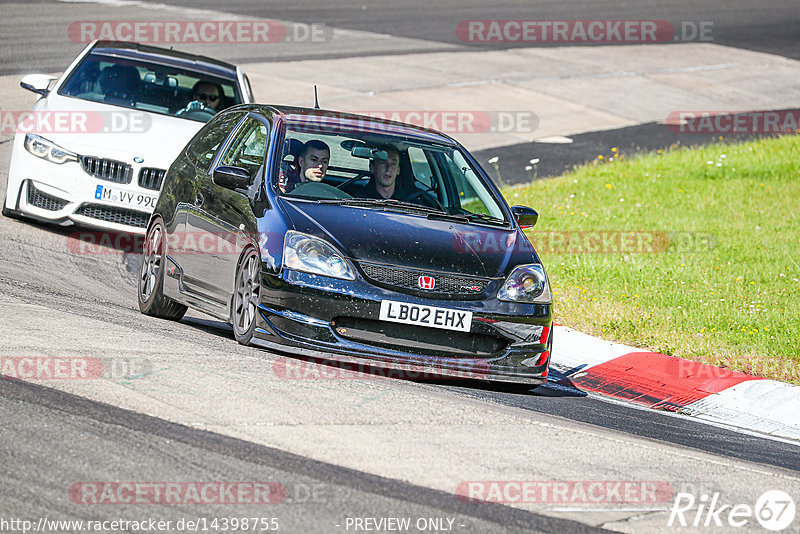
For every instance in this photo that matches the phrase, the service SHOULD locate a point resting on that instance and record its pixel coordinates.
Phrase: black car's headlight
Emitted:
(42, 148)
(526, 283)
(302, 252)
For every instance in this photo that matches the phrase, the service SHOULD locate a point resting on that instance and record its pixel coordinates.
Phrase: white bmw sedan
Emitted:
(95, 148)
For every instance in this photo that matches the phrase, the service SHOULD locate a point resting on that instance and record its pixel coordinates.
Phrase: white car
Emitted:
(97, 144)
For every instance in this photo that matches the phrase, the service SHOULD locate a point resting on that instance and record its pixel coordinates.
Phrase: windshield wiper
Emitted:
(381, 202)
(482, 217)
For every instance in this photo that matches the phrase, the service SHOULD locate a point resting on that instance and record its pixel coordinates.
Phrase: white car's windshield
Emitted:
(150, 87)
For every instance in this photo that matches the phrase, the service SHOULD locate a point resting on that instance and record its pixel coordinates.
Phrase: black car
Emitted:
(343, 236)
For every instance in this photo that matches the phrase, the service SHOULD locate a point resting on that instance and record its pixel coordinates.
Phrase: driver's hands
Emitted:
(194, 105)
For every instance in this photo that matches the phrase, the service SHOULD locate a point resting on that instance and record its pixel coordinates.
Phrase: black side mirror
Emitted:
(527, 217)
(234, 178)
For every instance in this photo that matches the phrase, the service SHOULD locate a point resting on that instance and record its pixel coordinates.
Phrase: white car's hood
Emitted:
(96, 129)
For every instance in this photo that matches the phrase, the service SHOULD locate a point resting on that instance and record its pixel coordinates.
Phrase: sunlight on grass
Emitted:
(702, 251)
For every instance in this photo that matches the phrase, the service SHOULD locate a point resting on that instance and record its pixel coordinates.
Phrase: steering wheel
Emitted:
(318, 190)
(203, 114)
(352, 180)
(417, 194)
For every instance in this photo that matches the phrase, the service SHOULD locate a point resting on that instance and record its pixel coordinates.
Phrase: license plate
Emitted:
(421, 315)
(127, 198)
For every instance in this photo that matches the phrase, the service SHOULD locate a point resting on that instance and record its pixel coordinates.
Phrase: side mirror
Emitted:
(527, 217)
(38, 83)
(234, 178)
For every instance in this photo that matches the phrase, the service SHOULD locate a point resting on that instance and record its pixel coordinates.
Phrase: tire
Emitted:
(152, 300)
(246, 294)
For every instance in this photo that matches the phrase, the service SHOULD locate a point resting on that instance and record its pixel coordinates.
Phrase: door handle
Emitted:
(198, 200)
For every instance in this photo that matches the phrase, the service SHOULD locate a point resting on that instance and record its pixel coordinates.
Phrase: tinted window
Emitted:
(206, 143)
(248, 149)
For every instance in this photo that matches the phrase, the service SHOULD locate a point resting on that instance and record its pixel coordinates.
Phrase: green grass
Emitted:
(722, 290)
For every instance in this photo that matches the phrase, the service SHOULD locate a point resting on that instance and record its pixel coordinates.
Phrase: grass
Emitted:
(708, 269)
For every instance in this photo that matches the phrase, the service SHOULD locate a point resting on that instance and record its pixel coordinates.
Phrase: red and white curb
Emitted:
(668, 383)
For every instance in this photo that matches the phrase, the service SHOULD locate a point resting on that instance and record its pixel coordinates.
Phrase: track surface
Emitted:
(205, 408)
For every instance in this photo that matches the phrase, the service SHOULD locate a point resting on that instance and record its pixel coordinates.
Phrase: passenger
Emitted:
(312, 164)
(384, 176)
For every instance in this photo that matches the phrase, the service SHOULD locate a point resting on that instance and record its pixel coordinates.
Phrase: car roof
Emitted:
(164, 56)
(339, 120)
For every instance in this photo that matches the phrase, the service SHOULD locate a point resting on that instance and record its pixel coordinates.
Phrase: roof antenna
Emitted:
(316, 100)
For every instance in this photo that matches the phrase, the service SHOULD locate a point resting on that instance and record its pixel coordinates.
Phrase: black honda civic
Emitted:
(346, 237)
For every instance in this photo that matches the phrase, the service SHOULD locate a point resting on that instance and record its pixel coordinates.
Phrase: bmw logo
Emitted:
(137, 159)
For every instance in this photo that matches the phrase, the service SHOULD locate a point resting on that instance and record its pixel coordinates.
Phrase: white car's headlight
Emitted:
(526, 283)
(302, 252)
(42, 148)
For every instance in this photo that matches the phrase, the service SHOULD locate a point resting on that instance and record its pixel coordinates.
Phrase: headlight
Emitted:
(306, 253)
(42, 148)
(526, 283)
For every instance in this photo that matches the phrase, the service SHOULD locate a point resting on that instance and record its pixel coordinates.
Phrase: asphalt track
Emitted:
(766, 26)
(318, 496)
(54, 302)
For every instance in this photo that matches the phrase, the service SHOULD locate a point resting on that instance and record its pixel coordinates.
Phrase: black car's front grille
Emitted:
(409, 279)
(420, 339)
(107, 169)
(43, 200)
(151, 178)
(112, 214)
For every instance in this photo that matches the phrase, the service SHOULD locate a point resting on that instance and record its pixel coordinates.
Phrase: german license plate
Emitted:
(127, 198)
(422, 315)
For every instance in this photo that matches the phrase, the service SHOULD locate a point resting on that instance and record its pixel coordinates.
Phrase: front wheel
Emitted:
(152, 300)
(246, 295)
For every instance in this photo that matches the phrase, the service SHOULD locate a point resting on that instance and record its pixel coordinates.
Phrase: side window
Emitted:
(420, 166)
(472, 195)
(206, 143)
(248, 149)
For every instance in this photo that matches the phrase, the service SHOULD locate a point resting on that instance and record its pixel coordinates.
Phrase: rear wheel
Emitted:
(152, 300)
(246, 294)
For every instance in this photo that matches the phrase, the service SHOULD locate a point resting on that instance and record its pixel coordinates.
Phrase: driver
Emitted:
(384, 176)
(312, 164)
(205, 96)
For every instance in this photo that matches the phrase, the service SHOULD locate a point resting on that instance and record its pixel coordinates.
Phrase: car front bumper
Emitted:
(65, 194)
(507, 342)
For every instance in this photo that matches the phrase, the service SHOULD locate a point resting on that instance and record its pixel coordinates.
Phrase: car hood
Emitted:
(114, 132)
(412, 240)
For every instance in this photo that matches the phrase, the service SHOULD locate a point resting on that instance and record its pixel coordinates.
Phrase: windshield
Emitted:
(166, 90)
(366, 168)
